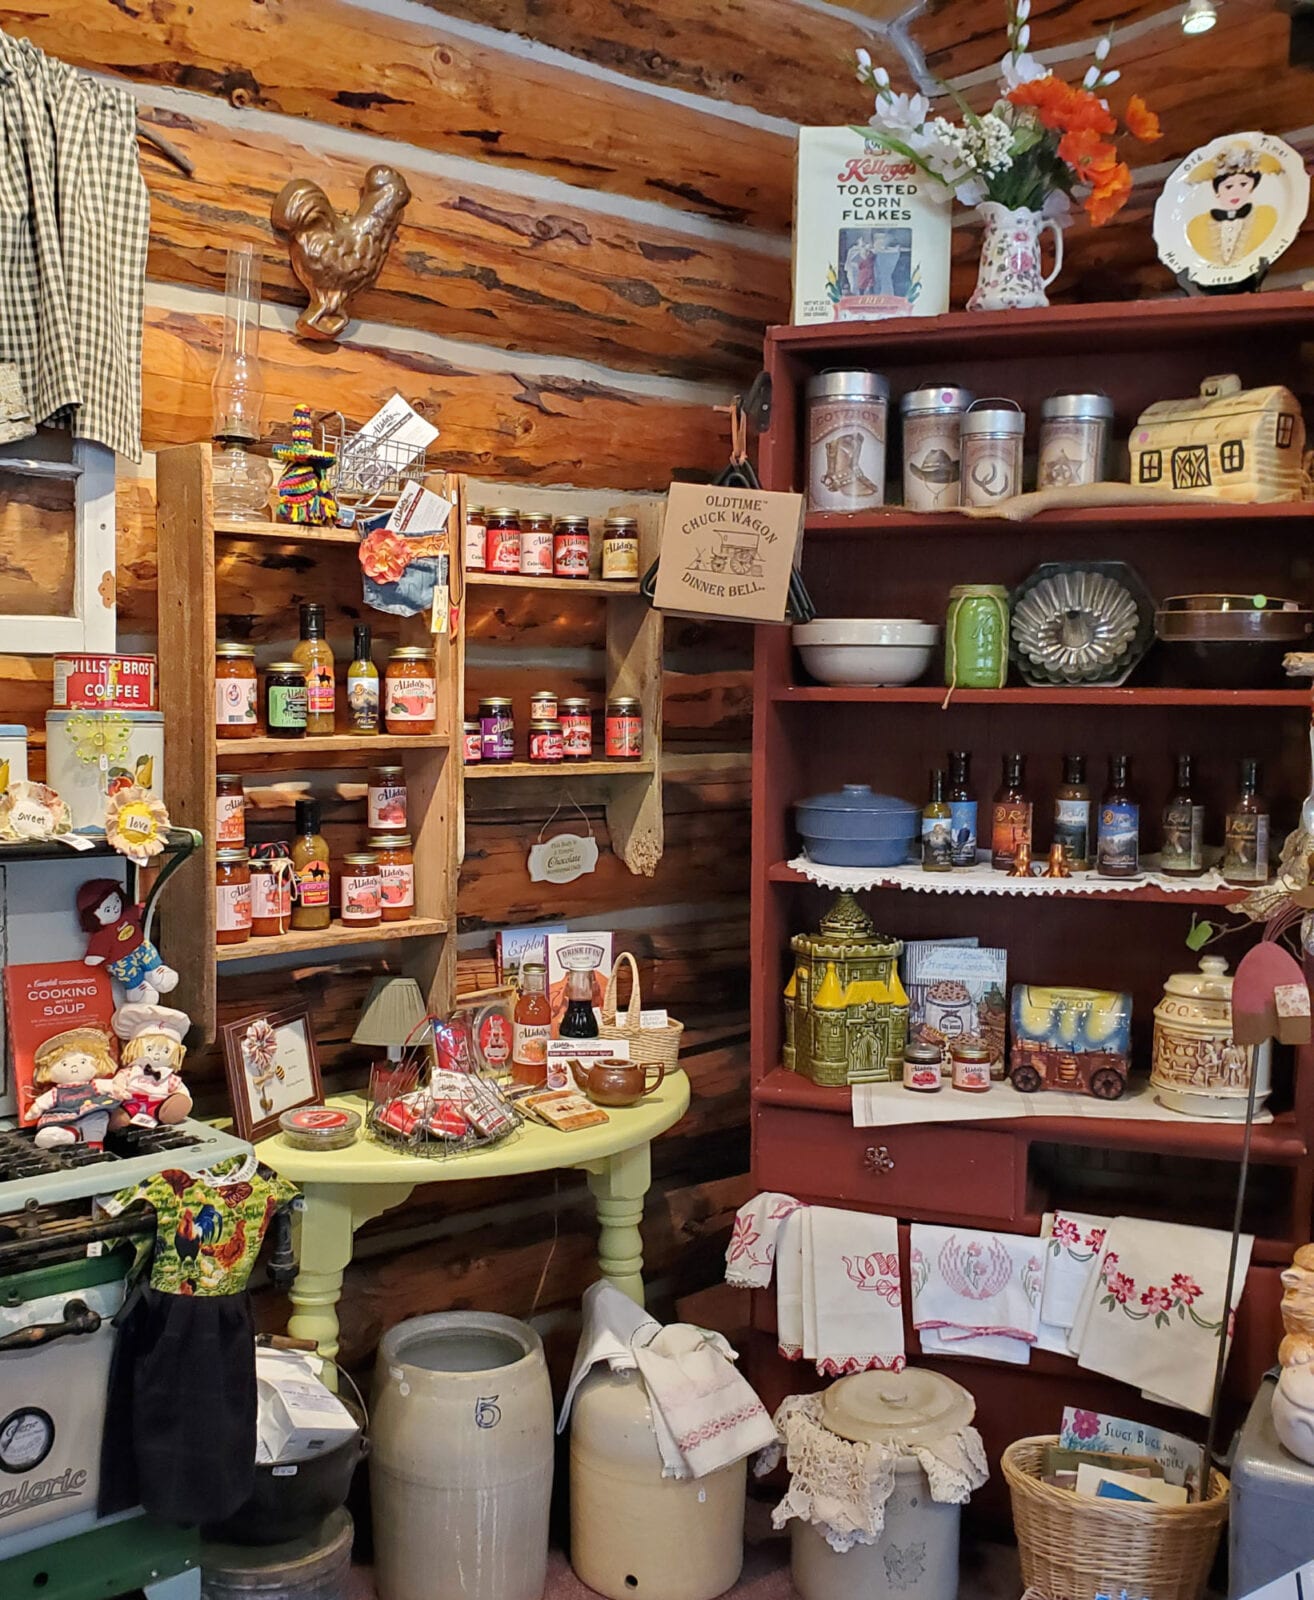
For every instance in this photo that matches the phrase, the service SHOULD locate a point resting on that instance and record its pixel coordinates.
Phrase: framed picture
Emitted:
(272, 1068)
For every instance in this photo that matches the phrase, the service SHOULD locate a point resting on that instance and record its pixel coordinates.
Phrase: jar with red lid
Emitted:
(271, 892)
(545, 741)
(236, 691)
(229, 811)
(232, 897)
(502, 540)
(577, 728)
(535, 544)
(410, 700)
(570, 547)
(361, 886)
(624, 731)
(396, 862)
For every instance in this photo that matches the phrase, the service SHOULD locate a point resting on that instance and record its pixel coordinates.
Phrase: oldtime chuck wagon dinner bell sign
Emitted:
(728, 552)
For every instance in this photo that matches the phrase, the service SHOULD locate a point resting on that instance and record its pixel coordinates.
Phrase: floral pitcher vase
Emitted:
(1009, 276)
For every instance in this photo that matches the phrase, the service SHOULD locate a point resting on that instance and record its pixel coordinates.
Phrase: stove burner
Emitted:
(20, 1156)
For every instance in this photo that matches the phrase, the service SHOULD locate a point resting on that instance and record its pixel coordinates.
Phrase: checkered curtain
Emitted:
(74, 219)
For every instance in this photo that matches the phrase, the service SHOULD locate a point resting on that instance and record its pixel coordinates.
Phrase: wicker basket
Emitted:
(1073, 1547)
(649, 1047)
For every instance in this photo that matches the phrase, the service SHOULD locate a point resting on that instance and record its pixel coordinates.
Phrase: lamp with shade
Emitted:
(393, 1011)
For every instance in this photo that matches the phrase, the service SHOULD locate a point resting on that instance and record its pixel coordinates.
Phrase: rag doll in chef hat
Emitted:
(147, 1082)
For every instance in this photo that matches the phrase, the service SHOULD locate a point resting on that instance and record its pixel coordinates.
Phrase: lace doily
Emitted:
(841, 1488)
(982, 879)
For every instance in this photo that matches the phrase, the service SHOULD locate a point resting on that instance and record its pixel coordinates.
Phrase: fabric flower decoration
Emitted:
(99, 736)
(259, 1047)
(385, 555)
(33, 811)
(136, 822)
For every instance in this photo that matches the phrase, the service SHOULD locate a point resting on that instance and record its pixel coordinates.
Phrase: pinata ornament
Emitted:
(305, 495)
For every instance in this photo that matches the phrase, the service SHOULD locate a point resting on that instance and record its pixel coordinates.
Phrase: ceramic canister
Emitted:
(992, 434)
(847, 415)
(1195, 1067)
(90, 755)
(932, 446)
(1074, 440)
(13, 754)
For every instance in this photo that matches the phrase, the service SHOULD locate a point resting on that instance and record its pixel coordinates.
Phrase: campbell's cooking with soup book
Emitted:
(871, 232)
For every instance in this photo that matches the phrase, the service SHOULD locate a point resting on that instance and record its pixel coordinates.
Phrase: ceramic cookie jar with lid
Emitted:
(1196, 1067)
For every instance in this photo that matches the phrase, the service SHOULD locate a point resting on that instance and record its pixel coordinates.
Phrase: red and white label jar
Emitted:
(535, 546)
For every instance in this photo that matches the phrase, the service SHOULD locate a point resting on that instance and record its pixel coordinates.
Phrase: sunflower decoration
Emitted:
(32, 811)
(99, 738)
(136, 823)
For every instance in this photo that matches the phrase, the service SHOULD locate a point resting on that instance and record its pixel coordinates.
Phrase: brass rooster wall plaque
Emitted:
(334, 255)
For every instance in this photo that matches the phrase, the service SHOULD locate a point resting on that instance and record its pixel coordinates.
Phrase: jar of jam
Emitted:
(923, 1066)
(545, 741)
(235, 691)
(543, 706)
(271, 892)
(232, 897)
(476, 539)
(472, 742)
(577, 729)
(410, 698)
(570, 547)
(396, 862)
(624, 734)
(502, 540)
(620, 550)
(536, 544)
(497, 729)
(229, 812)
(286, 704)
(385, 799)
(969, 1058)
(361, 889)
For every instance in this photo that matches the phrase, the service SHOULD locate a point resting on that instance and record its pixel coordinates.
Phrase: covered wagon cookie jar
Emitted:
(1196, 1066)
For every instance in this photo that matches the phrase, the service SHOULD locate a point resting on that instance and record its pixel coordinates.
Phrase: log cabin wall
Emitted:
(597, 239)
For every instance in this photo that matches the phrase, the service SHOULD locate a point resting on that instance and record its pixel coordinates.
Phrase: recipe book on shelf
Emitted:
(47, 998)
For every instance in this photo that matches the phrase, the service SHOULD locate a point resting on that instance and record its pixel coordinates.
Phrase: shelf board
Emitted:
(1274, 1143)
(303, 941)
(285, 531)
(331, 743)
(507, 580)
(1185, 514)
(1142, 894)
(93, 847)
(1122, 698)
(558, 769)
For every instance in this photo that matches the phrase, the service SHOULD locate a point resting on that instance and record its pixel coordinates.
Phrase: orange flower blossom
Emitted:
(1110, 187)
(1060, 106)
(1141, 122)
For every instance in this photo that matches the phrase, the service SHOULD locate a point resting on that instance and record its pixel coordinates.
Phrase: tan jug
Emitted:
(616, 1083)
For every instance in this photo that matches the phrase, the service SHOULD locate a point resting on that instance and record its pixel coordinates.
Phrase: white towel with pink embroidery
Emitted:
(967, 1283)
(754, 1239)
(703, 1412)
(1073, 1243)
(852, 1295)
(789, 1286)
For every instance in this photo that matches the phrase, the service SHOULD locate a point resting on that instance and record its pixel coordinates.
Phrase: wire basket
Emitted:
(369, 469)
(433, 1102)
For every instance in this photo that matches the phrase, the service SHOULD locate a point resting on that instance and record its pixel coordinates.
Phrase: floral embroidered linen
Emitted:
(753, 1239)
(1155, 1312)
(968, 1284)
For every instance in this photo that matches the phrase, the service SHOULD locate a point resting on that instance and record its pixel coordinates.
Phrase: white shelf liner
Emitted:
(983, 879)
(890, 1105)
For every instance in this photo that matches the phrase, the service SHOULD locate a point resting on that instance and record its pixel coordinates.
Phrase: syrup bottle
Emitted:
(1010, 819)
(1181, 845)
(1118, 843)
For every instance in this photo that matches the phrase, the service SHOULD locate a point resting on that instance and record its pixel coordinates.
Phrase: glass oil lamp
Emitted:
(242, 480)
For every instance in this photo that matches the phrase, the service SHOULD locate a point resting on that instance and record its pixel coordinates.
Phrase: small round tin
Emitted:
(319, 1127)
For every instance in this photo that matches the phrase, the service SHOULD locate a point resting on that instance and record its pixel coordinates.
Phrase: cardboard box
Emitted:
(297, 1417)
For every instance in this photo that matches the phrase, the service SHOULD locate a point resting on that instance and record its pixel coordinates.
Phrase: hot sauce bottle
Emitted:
(1072, 814)
(962, 808)
(310, 862)
(1245, 840)
(1010, 819)
(937, 836)
(531, 1027)
(315, 655)
(1118, 844)
(362, 685)
(1181, 842)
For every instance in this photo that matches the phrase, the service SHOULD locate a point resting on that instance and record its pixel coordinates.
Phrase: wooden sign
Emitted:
(728, 552)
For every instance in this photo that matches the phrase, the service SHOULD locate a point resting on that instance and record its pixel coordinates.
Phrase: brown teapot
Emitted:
(616, 1083)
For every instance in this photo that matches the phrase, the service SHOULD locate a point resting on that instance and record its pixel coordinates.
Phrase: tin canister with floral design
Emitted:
(91, 755)
(976, 636)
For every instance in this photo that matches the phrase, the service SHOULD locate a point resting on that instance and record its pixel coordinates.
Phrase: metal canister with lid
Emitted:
(932, 445)
(847, 424)
(620, 549)
(923, 1065)
(992, 433)
(1074, 440)
(497, 728)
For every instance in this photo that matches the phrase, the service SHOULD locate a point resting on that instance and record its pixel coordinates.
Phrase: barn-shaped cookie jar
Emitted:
(1228, 443)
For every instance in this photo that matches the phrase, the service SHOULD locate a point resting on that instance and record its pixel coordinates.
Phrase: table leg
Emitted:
(619, 1184)
(326, 1232)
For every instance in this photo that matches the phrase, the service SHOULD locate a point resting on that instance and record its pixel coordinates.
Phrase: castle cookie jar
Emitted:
(1196, 1067)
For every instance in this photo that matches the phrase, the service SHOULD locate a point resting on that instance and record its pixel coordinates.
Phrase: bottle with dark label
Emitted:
(1072, 814)
(1118, 842)
(1181, 843)
(1245, 836)
(962, 809)
(937, 838)
(1010, 815)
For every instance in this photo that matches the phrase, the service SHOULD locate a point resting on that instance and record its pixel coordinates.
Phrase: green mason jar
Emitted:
(976, 636)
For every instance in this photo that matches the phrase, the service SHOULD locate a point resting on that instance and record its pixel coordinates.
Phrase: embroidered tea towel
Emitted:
(1071, 1253)
(753, 1240)
(986, 1346)
(853, 1317)
(967, 1282)
(702, 1406)
(789, 1286)
(1157, 1311)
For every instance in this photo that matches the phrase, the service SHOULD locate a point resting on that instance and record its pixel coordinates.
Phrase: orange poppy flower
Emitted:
(1111, 187)
(1141, 122)
(1082, 148)
(1062, 107)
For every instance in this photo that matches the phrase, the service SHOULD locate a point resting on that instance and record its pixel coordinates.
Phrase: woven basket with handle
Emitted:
(649, 1047)
(1074, 1547)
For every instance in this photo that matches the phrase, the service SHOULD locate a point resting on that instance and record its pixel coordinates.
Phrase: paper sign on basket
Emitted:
(728, 552)
(562, 858)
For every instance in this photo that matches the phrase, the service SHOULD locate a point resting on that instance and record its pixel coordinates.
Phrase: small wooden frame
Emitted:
(272, 1067)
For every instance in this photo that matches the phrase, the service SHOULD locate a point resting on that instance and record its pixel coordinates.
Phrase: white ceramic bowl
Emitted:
(868, 652)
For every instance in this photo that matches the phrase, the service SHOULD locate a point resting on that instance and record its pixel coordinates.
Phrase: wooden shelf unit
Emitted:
(632, 789)
(203, 566)
(1005, 1174)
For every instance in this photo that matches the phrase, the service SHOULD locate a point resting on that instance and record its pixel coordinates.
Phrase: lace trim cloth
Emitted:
(981, 879)
(841, 1488)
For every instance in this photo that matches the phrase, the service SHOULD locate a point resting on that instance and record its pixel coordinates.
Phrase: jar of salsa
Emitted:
(361, 886)
(411, 691)
(385, 799)
(536, 544)
(570, 547)
(476, 539)
(229, 812)
(624, 737)
(497, 729)
(232, 897)
(396, 862)
(286, 704)
(545, 742)
(502, 542)
(271, 892)
(577, 729)
(235, 691)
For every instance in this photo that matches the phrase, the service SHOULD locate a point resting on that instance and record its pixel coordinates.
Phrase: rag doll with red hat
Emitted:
(118, 941)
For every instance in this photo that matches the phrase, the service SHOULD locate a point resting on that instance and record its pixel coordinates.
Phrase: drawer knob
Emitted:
(877, 1158)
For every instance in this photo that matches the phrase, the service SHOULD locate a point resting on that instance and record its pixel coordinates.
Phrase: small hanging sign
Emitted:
(564, 857)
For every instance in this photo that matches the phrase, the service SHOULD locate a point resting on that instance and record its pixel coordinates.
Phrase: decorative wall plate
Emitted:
(1231, 208)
